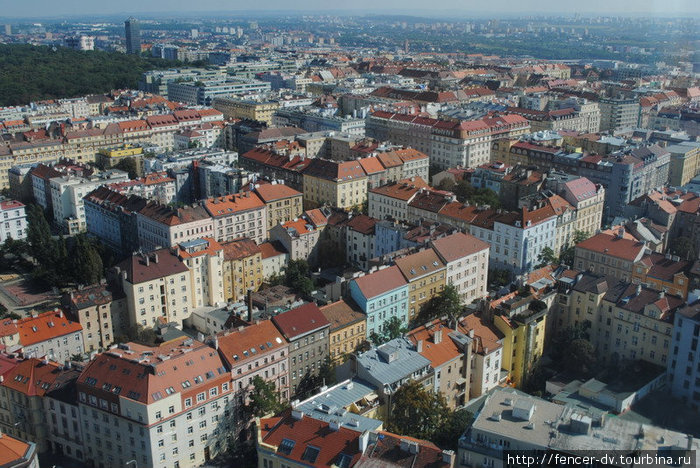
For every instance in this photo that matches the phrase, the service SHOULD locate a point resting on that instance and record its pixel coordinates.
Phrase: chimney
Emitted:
(297, 415)
(148, 260)
(216, 342)
(471, 333)
(334, 425)
(155, 258)
(437, 336)
(60, 313)
(249, 302)
(419, 346)
(448, 456)
(363, 440)
(639, 290)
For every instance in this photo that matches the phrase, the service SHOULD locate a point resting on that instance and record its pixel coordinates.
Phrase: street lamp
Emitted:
(136, 465)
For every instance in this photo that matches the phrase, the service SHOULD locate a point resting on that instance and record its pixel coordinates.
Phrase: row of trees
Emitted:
(60, 262)
(30, 73)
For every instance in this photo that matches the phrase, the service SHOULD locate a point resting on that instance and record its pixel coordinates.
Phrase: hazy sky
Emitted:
(48, 8)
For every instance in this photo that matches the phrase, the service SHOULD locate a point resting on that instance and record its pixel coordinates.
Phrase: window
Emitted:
(286, 446)
(311, 454)
(201, 397)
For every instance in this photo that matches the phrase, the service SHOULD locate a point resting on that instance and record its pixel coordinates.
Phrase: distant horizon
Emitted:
(447, 9)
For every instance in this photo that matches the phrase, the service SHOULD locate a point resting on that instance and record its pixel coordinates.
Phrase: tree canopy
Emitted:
(297, 276)
(264, 398)
(129, 165)
(446, 302)
(30, 73)
(476, 196)
(418, 413)
(393, 328)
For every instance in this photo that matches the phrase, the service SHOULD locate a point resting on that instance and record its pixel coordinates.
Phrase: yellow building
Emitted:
(233, 108)
(110, 157)
(339, 184)
(685, 163)
(524, 334)
(348, 328)
(282, 203)
(425, 273)
(242, 268)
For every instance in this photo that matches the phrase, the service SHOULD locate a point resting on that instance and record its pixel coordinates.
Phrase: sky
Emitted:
(447, 8)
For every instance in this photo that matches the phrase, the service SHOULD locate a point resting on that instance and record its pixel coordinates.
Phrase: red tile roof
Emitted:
(271, 249)
(458, 245)
(148, 373)
(235, 346)
(232, 204)
(300, 321)
(419, 264)
(160, 264)
(613, 246)
(32, 377)
(270, 192)
(342, 313)
(310, 432)
(380, 282)
(362, 223)
(386, 451)
(13, 452)
(44, 327)
(240, 248)
(403, 189)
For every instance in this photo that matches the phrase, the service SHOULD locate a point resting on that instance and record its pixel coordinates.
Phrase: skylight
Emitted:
(286, 446)
(311, 454)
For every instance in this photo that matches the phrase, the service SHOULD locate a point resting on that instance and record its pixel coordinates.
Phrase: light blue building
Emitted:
(683, 368)
(381, 295)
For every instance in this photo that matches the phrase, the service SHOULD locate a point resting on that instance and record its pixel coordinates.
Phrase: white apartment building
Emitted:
(392, 200)
(162, 226)
(238, 215)
(467, 261)
(204, 259)
(154, 407)
(13, 220)
(156, 284)
(516, 238)
(67, 194)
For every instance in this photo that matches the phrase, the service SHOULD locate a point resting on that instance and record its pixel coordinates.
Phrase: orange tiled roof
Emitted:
(44, 327)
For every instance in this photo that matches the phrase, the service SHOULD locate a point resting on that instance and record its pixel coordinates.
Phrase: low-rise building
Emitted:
(306, 330)
(299, 238)
(13, 220)
(381, 295)
(610, 254)
(425, 273)
(50, 335)
(242, 268)
(239, 215)
(283, 203)
(466, 259)
(348, 328)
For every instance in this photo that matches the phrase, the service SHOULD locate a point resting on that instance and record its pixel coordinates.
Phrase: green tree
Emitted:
(447, 302)
(128, 165)
(86, 262)
(392, 328)
(264, 398)
(417, 413)
(537, 305)
(326, 372)
(683, 247)
(447, 436)
(546, 257)
(297, 276)
(499, 277)
(38, 232)
(580, 355)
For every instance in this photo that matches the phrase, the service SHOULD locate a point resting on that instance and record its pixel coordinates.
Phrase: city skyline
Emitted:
(452, 8)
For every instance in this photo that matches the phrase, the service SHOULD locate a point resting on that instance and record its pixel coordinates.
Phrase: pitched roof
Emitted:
(270, 192)
(438, 348)
(236, 346)
(310, 441)
(380, 282)
(458, 245)
(97, 294)
(271, 249)
(403, 189)
(300, 321)
(371, 165)
(342, 313)
(362, 223)
(338, 171)
(158, 264)
(486, 336)
(419, 264)
(148, 373)
(613, 246)
(386, 451)
(13, 452)
(231, 204)
(44, 327)
(32, 377)
(240, 248)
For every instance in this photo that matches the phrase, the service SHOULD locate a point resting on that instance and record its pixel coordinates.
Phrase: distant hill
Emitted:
(31, 73)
